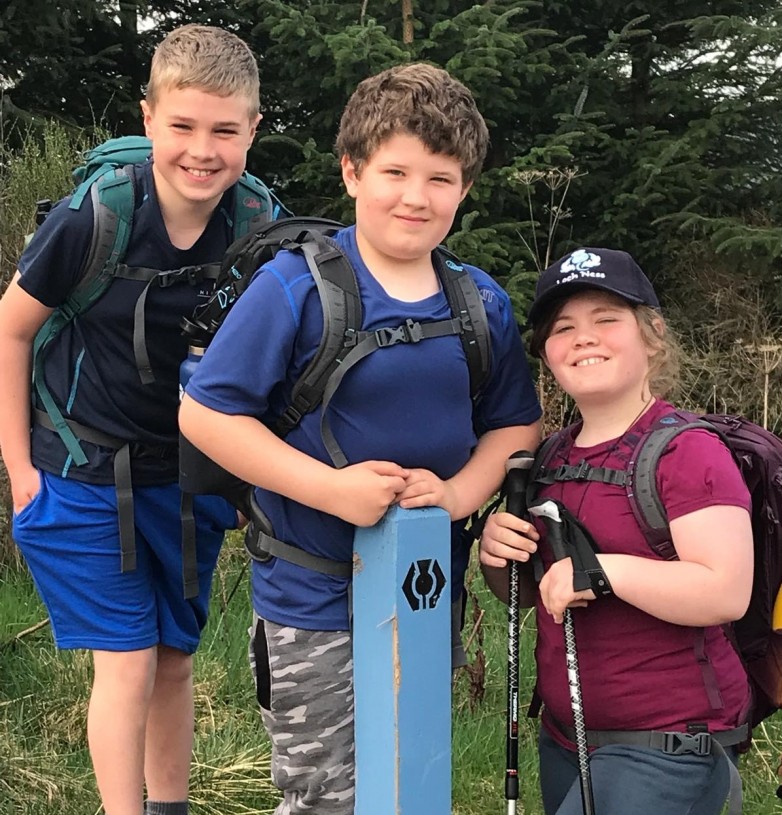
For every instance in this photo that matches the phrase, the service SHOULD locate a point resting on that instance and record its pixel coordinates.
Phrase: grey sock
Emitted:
(165, 808)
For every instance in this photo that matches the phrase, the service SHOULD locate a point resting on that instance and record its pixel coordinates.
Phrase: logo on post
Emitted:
(423, 584)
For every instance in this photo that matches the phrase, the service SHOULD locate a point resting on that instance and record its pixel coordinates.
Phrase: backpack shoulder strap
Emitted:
(340, 300)
(466, 305)
(545, 453)
(343, 344)
(642, 489)
(113, 199)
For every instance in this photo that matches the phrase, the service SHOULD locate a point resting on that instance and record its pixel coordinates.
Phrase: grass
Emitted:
(45, 766)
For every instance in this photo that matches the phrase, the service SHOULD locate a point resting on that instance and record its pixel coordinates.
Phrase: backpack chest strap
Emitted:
(192, 275)
(367, 342)
(582, 472)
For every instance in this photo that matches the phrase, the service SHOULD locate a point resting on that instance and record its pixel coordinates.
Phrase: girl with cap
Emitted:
(656, 668)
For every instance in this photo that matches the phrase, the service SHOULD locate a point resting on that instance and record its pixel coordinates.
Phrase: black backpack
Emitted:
(757, 636)
(343, 344)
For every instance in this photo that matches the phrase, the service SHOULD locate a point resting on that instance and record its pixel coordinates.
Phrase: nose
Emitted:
(584, 336)
(201, 145)
(414, 194)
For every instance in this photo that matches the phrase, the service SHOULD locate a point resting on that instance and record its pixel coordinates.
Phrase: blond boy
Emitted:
(201, 113)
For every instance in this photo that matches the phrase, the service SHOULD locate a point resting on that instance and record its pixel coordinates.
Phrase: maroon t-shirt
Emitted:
(639, 672)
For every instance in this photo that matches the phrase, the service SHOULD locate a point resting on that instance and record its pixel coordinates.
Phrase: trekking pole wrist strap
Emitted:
(599, 582)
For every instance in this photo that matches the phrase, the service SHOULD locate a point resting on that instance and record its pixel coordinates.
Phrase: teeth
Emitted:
(199, 173)
(589, 361)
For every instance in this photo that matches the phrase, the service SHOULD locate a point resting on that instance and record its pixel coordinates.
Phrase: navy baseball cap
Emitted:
(592, 268)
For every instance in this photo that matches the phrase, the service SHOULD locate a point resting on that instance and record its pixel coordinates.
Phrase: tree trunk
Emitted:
(407, 21)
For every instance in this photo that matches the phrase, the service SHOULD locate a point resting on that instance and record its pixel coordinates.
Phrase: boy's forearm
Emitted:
(483, 474)
(21, 315)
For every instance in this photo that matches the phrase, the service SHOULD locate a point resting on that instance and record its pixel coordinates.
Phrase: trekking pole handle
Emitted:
(549, 511)
(517, 469)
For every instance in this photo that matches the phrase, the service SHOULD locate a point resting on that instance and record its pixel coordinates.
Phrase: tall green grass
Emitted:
(45, 766)
(44, 760)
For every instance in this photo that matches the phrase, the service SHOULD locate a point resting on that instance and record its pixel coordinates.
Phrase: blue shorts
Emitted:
(69, 536)
(634, 780)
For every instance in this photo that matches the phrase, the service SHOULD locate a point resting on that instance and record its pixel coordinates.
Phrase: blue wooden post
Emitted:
(402, 664)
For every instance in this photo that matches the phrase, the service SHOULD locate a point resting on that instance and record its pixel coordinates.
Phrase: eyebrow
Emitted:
(189, 120)
(563, 315)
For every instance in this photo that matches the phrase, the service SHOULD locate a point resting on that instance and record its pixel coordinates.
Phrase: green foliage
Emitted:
(672, 118)
(44, 760)
(40, 168)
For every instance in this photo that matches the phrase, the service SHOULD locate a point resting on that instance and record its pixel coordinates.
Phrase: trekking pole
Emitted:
(517, 468)
(549, 511)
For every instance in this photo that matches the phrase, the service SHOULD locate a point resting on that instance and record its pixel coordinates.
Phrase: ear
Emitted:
(659, 329)
(465, 189)
(349, 176)
(147, 114)
(253, 129)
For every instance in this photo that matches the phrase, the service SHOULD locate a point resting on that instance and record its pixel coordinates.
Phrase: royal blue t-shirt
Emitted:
(90, 367)
(408, 403)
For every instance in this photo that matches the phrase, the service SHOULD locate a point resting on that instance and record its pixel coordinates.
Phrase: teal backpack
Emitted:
(107, 176)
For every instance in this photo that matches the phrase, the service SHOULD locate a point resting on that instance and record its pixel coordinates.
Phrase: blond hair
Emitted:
(665, 360)
(420, 100)
(207, 58)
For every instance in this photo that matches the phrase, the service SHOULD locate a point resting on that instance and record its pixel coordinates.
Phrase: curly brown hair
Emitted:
(419, 99)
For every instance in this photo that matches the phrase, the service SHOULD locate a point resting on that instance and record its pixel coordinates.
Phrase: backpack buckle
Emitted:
(465, 323)
(193, 274)
(351, 338)
(574, 472)
(409, 331)
(677, 744)
(581, 470)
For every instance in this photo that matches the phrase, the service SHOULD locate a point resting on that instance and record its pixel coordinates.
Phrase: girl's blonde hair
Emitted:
(664, 362)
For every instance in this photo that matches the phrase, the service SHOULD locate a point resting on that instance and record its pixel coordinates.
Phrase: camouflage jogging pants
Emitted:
(304, 683)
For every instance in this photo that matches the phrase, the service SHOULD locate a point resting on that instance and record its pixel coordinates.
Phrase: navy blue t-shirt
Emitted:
(408, 403)
(90, 367)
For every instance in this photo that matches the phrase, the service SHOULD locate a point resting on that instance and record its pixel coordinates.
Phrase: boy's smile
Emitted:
(200, 142)
(406, 200)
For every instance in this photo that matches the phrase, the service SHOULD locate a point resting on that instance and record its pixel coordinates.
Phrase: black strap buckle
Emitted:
(193, 275)
(465, 323)
(351, 338)
(291, 416)
(574, 472)
(409, 331)
(677, 744)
